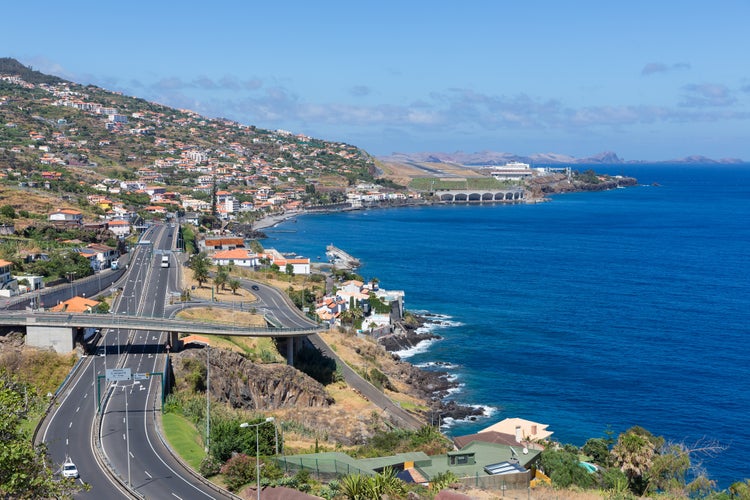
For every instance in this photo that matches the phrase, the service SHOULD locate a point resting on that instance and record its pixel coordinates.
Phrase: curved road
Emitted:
(136, 452)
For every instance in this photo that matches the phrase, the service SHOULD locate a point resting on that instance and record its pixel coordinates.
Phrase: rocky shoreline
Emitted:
(433, 385)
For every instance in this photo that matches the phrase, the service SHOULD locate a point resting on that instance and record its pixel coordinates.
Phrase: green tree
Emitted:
(8, 212)
(234, 285)
(289, 269)
(598, 450)
(740, 490)
(200, 265)
(24, 472)
(221, 278)
(563, 468)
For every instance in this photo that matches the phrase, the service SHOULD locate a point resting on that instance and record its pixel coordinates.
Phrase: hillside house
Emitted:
(76, 305)
(66, 217)
(120, 228)
(8, 284)
(241, 257)
(216, 244)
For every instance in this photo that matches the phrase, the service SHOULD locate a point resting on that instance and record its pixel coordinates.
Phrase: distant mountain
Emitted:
(9, 66)
(498, 158)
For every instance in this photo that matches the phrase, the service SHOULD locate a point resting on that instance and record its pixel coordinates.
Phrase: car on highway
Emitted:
(255, 287)
(69, 469)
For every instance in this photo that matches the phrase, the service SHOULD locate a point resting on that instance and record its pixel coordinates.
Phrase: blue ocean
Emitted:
(594, 311)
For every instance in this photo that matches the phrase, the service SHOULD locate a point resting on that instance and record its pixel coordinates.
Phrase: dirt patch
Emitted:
(207, 291)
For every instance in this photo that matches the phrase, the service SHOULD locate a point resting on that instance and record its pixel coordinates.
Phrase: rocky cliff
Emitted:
(247, 385)
(560, 183)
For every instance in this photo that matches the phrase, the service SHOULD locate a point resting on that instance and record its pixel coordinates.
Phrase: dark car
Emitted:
(255, 287)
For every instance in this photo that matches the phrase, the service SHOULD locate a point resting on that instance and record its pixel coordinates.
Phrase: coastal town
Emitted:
(106, 198)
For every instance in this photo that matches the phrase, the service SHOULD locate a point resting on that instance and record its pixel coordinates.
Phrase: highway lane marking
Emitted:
(78, 409)
(149, 475)
(131, 455)
(71, 425)
(176, 496)
(66, 441)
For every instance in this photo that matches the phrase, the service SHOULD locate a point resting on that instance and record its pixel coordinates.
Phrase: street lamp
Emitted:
(245, 425)
(71, 275)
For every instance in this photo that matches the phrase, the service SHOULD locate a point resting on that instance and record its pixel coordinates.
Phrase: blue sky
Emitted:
(648, 80)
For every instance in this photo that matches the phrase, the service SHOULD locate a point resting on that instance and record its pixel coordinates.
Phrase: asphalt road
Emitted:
(134, 451)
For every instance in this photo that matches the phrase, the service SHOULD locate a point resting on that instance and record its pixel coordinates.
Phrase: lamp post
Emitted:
(245, 425)
(71, 275)
(208, 397)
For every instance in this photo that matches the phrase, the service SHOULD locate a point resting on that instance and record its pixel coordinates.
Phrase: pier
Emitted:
(340, 258)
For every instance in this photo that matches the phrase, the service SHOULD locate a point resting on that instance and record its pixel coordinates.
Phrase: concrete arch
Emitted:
(487, 197)
(446, 197)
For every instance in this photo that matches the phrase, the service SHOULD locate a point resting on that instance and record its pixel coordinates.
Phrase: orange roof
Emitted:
(75, 305)
(237, 253)
(5, 263)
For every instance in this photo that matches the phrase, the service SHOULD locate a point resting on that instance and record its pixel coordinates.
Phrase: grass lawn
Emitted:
(184, 439)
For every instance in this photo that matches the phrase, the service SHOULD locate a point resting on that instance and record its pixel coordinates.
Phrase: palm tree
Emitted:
(634, 453)
(234, 284)
(200, 264)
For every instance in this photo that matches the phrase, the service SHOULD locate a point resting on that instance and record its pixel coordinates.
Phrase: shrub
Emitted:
(238, 471)
(209, 466)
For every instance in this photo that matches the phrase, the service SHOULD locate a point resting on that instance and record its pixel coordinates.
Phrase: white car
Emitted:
(69, 469)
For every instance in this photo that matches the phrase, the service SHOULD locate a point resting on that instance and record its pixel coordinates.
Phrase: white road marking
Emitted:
(149, 475)
(66, 441)
(71, 425)
(77, 409)
(176, 496)
(131, 455)
(123, 436)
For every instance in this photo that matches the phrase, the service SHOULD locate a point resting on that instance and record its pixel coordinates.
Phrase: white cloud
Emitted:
(707, 94)
(658, 67)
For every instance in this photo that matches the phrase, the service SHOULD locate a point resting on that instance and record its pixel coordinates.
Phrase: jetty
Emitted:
(340, 258)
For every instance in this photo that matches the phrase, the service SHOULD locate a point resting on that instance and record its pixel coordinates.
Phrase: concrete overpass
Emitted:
(59, 330)
(514, 195)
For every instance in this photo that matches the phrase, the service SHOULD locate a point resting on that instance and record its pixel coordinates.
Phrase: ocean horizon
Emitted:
(592, 313)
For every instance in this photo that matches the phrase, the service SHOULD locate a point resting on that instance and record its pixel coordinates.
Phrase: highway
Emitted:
(129, 436)
(135, 453)
(130, 445)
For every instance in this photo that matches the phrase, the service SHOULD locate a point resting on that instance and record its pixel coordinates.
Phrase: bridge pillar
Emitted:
(173, 339)
(290, 351)
(60, 338)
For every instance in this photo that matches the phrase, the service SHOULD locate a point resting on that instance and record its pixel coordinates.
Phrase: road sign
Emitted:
(141, 376)
(118, 374)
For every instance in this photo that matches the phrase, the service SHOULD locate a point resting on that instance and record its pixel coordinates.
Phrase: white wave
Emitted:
(454, 390)
(421, 347)
(430, 327)
(438, 364)
(449, 422)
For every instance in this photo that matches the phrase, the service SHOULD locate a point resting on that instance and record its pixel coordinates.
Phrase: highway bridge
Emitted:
(118, 447)
(59, 330)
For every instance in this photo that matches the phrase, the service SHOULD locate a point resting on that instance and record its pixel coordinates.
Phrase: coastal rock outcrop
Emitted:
(244, 384)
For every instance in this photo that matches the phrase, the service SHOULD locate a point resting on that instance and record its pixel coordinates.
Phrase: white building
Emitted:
(511, 171)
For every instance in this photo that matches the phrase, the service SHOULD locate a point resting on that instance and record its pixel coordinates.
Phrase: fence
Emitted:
(323, 469)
